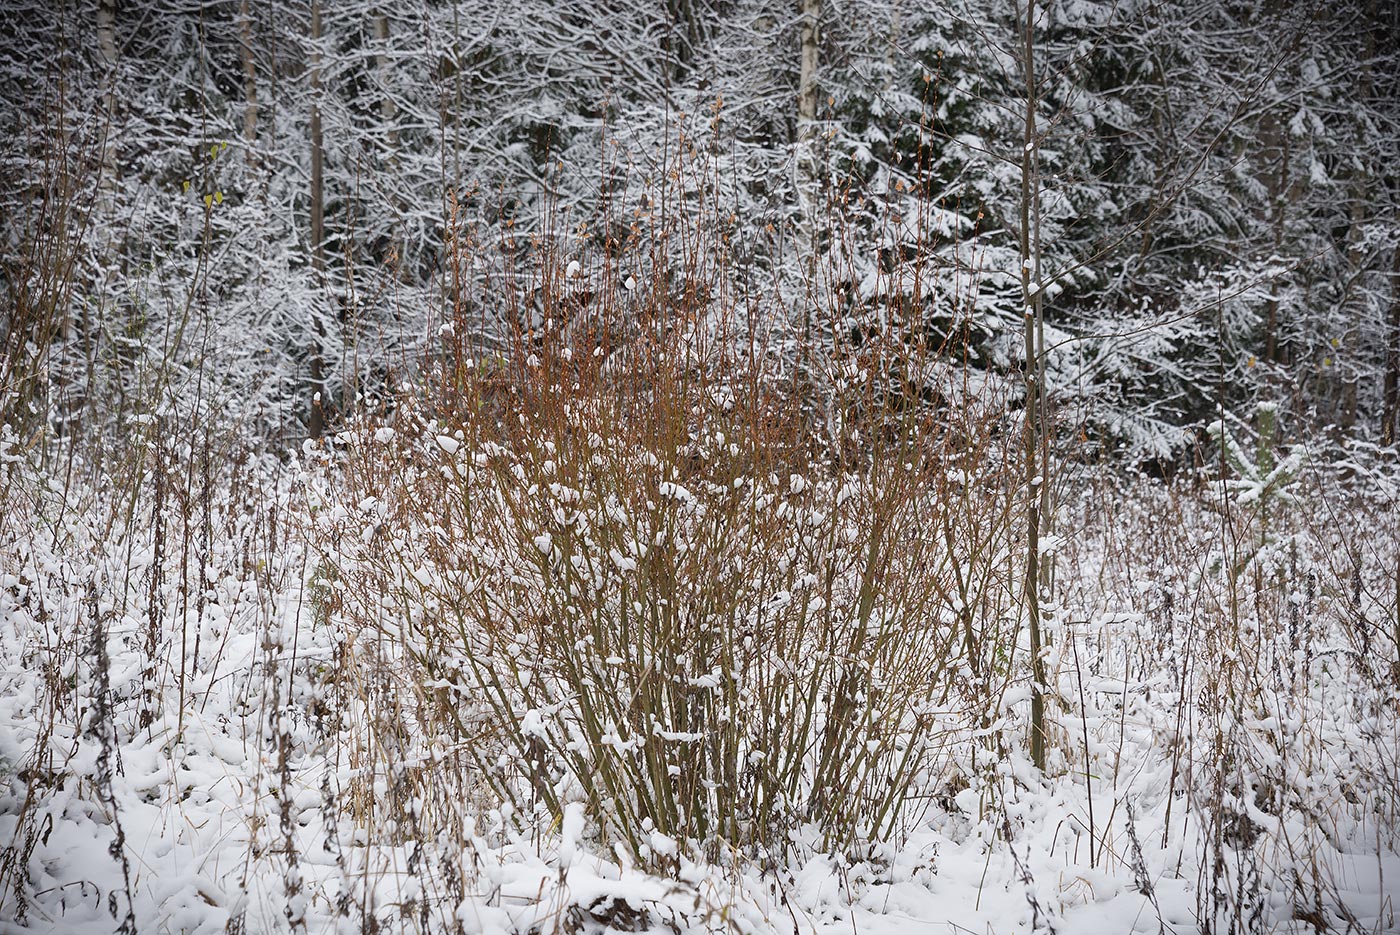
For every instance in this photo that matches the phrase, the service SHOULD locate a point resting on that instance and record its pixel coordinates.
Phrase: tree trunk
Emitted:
(388, 110)
(683, 37)
(250, 80)
(1036, 447)
(1363, 199)
(318, 159)
(1390, 393)
(316, 425)
(107, 49)
(388, 117)
(806, 154)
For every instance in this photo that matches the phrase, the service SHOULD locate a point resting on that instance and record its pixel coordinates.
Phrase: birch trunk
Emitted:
(806, 155)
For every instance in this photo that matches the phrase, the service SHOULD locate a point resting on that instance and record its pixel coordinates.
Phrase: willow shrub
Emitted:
(616, 560)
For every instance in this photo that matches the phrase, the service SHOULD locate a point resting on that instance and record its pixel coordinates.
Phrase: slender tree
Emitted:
(316, 423)
(1037, 449)
(250, 80)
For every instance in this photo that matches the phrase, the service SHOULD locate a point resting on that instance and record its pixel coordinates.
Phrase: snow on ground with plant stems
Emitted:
(240, 695)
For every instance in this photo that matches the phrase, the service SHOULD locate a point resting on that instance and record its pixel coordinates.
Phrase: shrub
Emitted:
(612, 566)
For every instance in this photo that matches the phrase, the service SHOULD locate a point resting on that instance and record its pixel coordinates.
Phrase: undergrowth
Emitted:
(616, 618)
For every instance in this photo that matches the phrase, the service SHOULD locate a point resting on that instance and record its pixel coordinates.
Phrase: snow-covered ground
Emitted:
(177, 753)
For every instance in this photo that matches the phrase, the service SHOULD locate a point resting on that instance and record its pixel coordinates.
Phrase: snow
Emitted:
(233, 724)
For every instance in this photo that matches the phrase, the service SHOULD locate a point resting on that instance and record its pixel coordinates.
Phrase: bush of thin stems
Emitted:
(611, 566)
